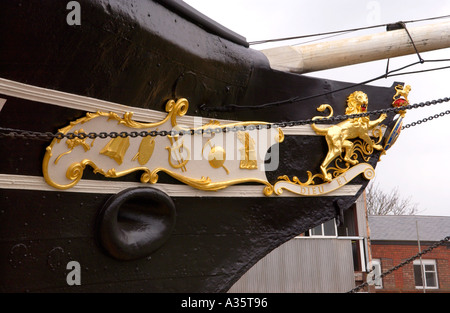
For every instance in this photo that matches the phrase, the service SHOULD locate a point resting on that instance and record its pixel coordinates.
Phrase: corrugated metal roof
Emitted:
(403, 227)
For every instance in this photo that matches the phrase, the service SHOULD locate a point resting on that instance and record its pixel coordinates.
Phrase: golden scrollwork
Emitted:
(338, 137)
(123, 150)
(174, 109)
(347, 141)
(296, 180)
(204, 183)
(115, 148)
(340, 166)
(295, 186)
(74, 142)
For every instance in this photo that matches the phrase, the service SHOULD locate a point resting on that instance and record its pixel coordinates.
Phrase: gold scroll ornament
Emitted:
(345, 141)
(66, 159)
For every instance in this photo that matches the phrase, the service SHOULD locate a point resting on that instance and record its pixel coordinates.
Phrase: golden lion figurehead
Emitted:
(338, 136)
(357, 103)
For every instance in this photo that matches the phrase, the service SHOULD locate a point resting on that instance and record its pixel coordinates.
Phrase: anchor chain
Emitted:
(426, 119)
(25, 134)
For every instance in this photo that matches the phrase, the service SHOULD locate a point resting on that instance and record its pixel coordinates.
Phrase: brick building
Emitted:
(393, 239)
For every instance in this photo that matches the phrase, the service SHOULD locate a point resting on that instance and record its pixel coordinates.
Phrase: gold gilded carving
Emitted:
(72, 143)
(340, 167)
(280, 136)
(216, 156)
(248, 153)
(149, 153)
(401, 97)
(296, 180)
(75, 170)
(177, 150)
(204, 183)
(338, 136)
(295, 186)
(402, 92)
(116, 148)
(400, 100)
(145, 150)
(178, 108)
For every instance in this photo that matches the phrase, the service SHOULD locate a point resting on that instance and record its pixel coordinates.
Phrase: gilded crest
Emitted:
(339, 136)
(401, 97)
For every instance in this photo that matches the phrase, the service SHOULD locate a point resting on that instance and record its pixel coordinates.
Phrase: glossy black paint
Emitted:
(135, 222)
(140, 54)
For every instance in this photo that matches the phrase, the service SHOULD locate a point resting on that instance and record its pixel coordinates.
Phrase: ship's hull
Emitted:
(137, 56)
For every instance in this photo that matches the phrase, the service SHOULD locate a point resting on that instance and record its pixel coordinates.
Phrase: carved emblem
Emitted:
(210, 160)
(401, 97)
(345, 141)
(248, 152)
(400, 100)
(145, 150)
(116, 149)
(178, 156)
(178, 152)
(216, 156)
(402, 92)
(338, 136)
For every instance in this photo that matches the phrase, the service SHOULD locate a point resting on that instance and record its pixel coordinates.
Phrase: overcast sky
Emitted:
(418, 162)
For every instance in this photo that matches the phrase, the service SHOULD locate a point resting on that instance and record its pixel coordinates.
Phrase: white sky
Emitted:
(418, 162)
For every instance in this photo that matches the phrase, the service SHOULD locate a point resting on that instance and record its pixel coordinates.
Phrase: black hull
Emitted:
(141, 55)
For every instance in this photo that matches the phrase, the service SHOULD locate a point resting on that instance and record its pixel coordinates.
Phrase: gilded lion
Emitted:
(338, 136)
(402, 91)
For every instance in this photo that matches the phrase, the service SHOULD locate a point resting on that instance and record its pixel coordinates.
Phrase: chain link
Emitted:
(23, 134)
(426, 119)
(407, 261)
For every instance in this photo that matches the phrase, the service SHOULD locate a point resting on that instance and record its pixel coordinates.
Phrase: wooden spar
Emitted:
(332, 54)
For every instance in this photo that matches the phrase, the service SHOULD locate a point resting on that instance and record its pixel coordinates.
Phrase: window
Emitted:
(429, 272)
(330, 229)
(325, 229)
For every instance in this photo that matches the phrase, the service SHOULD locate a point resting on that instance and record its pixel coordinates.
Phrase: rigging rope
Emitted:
(343, 31)
(234, 107)
(392, 26)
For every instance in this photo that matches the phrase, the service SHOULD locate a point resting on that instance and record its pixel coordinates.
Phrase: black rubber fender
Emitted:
(135, 222)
